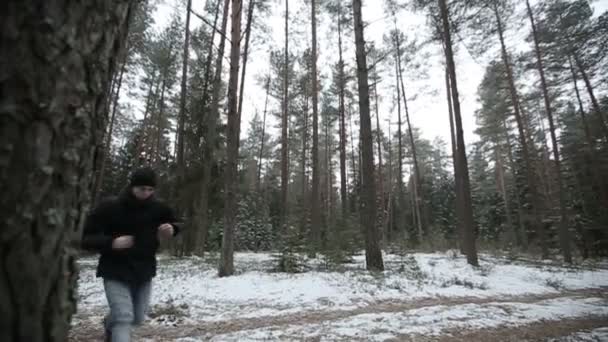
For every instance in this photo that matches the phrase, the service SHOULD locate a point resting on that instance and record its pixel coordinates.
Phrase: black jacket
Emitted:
(126, 215)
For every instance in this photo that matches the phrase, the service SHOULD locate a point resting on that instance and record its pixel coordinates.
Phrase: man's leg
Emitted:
(121, 310)
(141, 301)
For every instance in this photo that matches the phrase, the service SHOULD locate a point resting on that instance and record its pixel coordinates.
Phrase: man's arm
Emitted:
(170, 218)
(93, 236)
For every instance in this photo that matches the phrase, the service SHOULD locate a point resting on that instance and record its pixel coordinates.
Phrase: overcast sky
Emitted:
(428, 108)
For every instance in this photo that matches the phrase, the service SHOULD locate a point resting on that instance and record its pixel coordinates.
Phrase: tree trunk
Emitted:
(199, 237)
(373, 254)
(52, 117)
(380, 173)
(303, 163)
(463, 170)
(389, 221)
(352, 145)
(159, 122)
(284, 126)
(341, 111)
(108, 143)
(245, 54)
(400, 139)
(542, 235)
(458, 207)
(563, 228)
(315, 200)
(263, 134)
(232, 147)
(208, 69)
(182, 102)
(522, 236)
(502, 188)
(143, 140)
(417, 178)
(599, 181)
(594, 102)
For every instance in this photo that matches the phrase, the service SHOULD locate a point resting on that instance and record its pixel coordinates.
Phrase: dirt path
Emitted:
(531, 333)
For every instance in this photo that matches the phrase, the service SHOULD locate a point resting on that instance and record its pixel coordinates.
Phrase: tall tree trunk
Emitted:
(380, 173)
(373, 254)
(341, 111)
(417, 178)
(246, 54)
(181, 167)
(463, 170)
(263, 134)
(542, 235)
(150, 104)
(458, 207)
(303, 163)
(502, 188)
(226, 267)
(389, 221)
(284, 126)
(564, 237)
(356, 172)
(159, 122)
(200, 235)
(399, 137)
(599, 181)
(315, 200)
(522, 236)
(108, 143)
(594, 102)
(207, 77)
(52, 117)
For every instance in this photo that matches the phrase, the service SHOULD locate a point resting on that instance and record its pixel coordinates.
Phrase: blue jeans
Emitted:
(128, 307)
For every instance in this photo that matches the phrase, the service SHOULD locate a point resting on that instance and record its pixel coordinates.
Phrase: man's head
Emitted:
(142, 183)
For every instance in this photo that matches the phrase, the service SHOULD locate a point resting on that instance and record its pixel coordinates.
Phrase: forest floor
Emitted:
(420, 297)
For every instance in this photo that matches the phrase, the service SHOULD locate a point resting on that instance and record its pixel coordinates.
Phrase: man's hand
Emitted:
(165, 231)
(123, 242)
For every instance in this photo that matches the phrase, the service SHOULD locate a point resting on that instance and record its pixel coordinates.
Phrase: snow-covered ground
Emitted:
(425, 294)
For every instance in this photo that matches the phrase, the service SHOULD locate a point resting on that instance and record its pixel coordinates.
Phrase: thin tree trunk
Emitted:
(226, 267)
(542, 235)
(399, 137)
(373, 254)
(263, 134)
(341, 110)
(245, 54)
(467, 215)
(458, 207)
(389, 223)
(150, 104)
(181, 167)
(356, 172)
(315, 200)
(54, 112)
(594, 102)
(522, 239)
(594, 158)
(284, 127)
(417, 178)
(502, 188)
(208, 69)
(380, 173)
(200, 234)
(564, 235)
(108, 143)
(303, 164)
(159, 123)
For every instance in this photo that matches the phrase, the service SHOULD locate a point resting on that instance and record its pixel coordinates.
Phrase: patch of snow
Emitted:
(429, 321)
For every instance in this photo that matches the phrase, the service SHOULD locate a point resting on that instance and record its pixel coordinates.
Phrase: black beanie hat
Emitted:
(143, 177)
